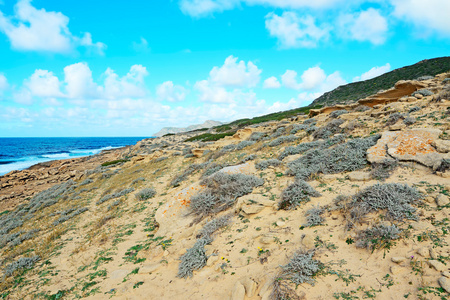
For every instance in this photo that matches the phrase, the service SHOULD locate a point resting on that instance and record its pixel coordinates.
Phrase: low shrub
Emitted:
(383, 170)
(212, 226)
(362, 108)
(414, 109)
(248, 158)
(377, 237)
(244, 144)
(115, 195)
(409, 120)
(264, 164)
(328, 129)
(337, 113)
(350, 156)
(282, 140)
(194, 259)
(314, 216)
(86, 181)
(145, 194)
(221, 192)
(303, 147)
(279, 132)
(296, 193)
(301, 268)
(256, 136)
(113, 162)
(210, 137)
(20, 264)
(425, 77)
(68, 216)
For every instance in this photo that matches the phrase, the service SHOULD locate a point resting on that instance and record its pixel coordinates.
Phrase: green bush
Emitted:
(113, 162)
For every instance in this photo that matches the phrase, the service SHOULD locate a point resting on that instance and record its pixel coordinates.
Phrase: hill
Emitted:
(171, 130)
(358, 90)
(349, 204)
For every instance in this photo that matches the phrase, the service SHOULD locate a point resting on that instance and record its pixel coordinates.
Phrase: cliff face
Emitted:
(349, 202)
(167, 130)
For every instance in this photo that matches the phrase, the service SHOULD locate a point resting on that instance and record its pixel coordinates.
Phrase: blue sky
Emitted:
(129, 68)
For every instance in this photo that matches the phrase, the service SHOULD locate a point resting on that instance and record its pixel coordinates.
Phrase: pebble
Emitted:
(238, 292)
(441, 200)
(424, 251)
(398, 259)
(445, 283)
(308, 242)
(437, 265)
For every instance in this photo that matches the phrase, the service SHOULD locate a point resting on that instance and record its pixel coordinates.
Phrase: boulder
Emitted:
(444, 282)
(238, 292)
(359, 176)
(409, 145)
(442, 146)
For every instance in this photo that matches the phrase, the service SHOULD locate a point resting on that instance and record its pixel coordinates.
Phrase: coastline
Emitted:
(18, 186)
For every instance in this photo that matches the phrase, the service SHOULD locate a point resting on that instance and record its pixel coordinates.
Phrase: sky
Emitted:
(129, 68)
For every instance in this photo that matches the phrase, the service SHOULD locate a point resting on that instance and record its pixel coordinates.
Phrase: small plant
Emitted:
(423, 92)
(113, 162)
(337, 113)
(114, 195)
(313, 216)
(264, 164)
(377, 237)
(296, 193)
(20, 264)
(145, 194)
(383, 170)
(424, 77)
(194, 259)
(282, 140)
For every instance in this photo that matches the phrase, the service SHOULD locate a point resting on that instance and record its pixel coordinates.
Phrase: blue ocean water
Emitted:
(22, 153)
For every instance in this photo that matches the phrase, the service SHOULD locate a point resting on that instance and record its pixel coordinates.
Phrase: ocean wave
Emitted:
(22, 163)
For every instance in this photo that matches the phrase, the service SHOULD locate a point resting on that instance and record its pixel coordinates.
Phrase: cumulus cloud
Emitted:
(235, 74)
(368, 25)
(293, 31)
(271, 83)
(130, 85)
(313, 78)
(430, 15)
(289, 80)
(374, 72)
(211, 93)
(43, 83)
(170, 92)
(3, 83)
(32, 29)
(201, 8)
(79, 82)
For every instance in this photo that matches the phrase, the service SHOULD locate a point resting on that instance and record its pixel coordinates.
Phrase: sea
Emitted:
(22, 153)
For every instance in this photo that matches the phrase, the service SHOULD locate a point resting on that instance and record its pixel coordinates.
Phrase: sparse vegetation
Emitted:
(296, 193)
(145, 194)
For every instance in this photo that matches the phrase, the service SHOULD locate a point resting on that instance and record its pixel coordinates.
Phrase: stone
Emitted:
(119, 274)
(211, 260)
(249, 285)
(408, 145)
(444, 282)
(359, 176)
(252, 209)
(418, 96)
(442, 146)
(397, 126)
(424, 251)
(238, 292)
(441, 200)
(396, 270)
(446, 274)
(146, 269)
(327, 178)
(398, 259)
(420, 225)
(411, 99)
(267, 239)
(433, 253)
(429, 199)
(280, 223)
(437, 265)
(308, 242)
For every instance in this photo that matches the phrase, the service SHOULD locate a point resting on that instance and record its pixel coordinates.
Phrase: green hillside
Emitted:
(358, 90)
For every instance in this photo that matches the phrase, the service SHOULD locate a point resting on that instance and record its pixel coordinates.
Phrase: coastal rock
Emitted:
(442, 146)
(437, 265)
(408, 145)
(252, 209)
(441, 200)
(359, 176)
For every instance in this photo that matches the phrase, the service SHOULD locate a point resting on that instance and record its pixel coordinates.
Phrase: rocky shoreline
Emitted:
(20, 185)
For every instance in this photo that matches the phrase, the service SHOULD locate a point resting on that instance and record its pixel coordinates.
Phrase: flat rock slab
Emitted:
(408, 145)
(173, 217)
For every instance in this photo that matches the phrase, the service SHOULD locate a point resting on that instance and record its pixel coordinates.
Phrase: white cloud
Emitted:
(170, 92)
(32, 29)
(141, 46)
(3, 83)
(312, 78)
(211, 93)
(271, 83)
(368, 25)
(426, 15)
(293, 31)
(234, 74)
(79, 82)
(23, 96)
(130, 85)
(289, 80)
(374, 72)
(43, 84)
(201, 8)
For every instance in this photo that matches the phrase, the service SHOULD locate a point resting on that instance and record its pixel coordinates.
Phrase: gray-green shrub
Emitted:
(145, 194)
(296, 193)
(264, 164)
